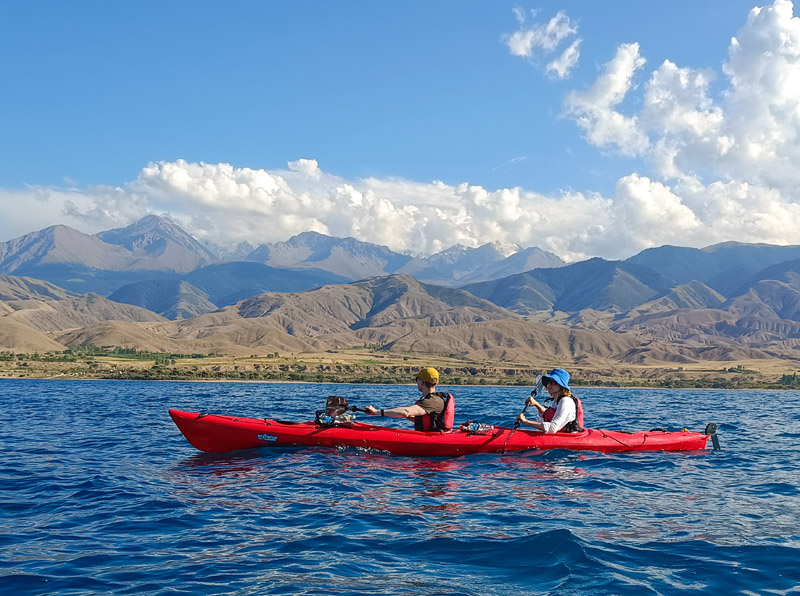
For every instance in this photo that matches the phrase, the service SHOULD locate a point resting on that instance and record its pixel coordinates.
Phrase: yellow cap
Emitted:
(429, 375)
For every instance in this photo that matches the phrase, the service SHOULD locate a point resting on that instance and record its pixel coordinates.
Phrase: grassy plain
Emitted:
(369, 366)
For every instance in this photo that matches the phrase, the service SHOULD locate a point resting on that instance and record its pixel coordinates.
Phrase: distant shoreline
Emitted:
(367, 367)
(576, 388)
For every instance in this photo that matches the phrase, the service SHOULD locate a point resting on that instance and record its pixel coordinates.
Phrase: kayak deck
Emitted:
(217, 433)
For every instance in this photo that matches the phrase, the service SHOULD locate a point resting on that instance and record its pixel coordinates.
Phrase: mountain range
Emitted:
(155, 264)
(153, 286)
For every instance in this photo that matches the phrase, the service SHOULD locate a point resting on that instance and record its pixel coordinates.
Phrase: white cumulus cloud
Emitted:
(726, 164)
(751, 131)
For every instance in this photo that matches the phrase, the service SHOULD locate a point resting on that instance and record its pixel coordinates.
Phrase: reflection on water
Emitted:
(438, 494)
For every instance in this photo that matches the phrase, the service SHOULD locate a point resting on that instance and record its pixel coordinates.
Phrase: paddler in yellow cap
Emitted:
(434, 411)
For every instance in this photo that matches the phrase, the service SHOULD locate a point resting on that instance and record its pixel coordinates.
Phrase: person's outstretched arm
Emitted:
(401, 412)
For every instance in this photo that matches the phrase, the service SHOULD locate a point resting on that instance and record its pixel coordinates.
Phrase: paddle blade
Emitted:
(539, 388)
(711, 430)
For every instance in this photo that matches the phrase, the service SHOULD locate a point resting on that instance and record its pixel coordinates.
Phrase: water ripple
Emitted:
(99, 494)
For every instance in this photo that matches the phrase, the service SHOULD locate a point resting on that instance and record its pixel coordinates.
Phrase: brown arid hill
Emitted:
(715, 334)
(139, 336)
(651, 353)
(14, 287)
(375, 302)
(373, 311)
(502, 340)
(520, 341)
(57, 315)
(517, 341)
(235, 337)
(20, 338)
(402, 316)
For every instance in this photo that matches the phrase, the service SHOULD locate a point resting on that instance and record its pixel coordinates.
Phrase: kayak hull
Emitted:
(216, 433)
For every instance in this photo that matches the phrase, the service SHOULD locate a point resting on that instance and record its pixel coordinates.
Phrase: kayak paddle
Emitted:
(539, 387)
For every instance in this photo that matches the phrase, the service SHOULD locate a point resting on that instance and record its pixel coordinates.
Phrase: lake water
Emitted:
(101, 494)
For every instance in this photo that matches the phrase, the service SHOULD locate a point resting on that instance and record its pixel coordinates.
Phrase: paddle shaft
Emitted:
(516, 423)
(516, 426)
(534, 393)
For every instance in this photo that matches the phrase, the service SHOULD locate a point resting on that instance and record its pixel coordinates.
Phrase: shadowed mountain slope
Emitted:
(209, 288)
(721, 266)
(170, 298)
(693, 295)
(768, 299)
(228, 283)
(524, 260)
(787, 272)
(594, 284)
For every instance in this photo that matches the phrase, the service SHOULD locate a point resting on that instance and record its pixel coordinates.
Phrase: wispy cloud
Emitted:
(540, 39)
(562, 66)
(510, 162)
(594, 109)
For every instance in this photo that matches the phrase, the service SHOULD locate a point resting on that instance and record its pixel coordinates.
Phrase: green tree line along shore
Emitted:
(126, 363)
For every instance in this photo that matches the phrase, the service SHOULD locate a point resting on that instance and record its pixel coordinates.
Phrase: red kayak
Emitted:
(214, 433)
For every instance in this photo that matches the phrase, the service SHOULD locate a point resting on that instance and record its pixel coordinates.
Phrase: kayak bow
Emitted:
(216, 433)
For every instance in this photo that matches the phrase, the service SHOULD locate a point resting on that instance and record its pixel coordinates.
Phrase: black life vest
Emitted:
(438, 421)
(573, 426)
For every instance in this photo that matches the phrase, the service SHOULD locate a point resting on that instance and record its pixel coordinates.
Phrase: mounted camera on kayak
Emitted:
(336, 412)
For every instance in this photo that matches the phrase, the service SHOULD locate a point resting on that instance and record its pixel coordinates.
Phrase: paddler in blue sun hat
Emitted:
(566, 413)
(433, 412)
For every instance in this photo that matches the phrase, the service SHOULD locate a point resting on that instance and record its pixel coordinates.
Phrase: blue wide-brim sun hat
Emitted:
(560, 376)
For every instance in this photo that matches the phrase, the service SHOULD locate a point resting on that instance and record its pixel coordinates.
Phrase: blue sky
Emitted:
(414, 124)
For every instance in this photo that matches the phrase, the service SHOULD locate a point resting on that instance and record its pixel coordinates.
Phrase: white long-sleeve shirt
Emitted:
(565, 412)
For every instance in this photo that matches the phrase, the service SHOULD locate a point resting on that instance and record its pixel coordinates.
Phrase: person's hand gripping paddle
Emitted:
(536, 391)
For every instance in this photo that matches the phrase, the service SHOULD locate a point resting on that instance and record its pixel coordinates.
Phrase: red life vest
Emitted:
(573, 426)
(438, 421)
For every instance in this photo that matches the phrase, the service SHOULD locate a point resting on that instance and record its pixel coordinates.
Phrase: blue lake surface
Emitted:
(101, 494)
